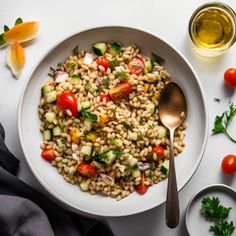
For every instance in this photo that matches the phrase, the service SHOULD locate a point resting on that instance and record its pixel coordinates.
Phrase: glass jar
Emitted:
(212, 28)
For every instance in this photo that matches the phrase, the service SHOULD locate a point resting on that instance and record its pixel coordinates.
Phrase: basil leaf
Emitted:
(157, 58)
(18, 21)
(127, 126)
(89, 115)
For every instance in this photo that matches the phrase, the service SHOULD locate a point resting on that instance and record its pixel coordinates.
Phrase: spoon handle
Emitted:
(172, 200)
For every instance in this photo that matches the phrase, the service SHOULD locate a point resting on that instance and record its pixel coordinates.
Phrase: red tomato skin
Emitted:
(228, 164)
(230, 77)
(159, 150)
(67, 101)
(138, 62)
(48, 154)
(103, 62)
(142, 188)
(121, 91)
(106, 97)
(86, 170)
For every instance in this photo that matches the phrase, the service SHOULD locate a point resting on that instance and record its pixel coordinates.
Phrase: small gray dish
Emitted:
(195, 221)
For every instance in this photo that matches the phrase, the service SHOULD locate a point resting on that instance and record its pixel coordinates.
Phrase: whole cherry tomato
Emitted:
(230, 77)
(228, 164)
(67, 101)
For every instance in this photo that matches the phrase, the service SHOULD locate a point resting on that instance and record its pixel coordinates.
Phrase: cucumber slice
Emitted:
(61, 142)
(74, 79)
(86, 105)
(152, 108)
(88, 124)
(46, 89)
(149, 65)
(84, 185)
(115, 49)
(51, 97)
(56, 131)
(136, 173)
(86, 150)
(165, 167)
(47, 135)
(50, 117)
(162, 131)
(99, 48)
(117, 142)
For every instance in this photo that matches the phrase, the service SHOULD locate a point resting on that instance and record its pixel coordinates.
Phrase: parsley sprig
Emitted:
(222, 228)
(222, 122)
(211, 208)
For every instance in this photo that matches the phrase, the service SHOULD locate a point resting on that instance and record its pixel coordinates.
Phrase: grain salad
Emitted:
(100, 123)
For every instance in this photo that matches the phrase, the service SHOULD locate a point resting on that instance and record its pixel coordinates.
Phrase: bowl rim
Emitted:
(47, 53)
(202, 191)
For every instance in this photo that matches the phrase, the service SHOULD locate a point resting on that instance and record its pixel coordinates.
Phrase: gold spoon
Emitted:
(172, 113)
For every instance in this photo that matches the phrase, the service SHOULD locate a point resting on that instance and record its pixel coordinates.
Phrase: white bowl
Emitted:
(196, 222)
(186, 163)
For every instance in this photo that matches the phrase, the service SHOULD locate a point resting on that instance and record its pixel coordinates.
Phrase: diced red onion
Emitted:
(105, 177)
(143, 165)
(98, 81)
(61, 76)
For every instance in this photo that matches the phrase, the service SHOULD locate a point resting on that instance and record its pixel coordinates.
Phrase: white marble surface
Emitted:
(167, 19)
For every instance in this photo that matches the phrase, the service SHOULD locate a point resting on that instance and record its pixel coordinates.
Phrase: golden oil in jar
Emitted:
(212, 28)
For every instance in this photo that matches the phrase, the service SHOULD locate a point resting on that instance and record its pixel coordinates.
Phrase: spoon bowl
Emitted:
(172, 113)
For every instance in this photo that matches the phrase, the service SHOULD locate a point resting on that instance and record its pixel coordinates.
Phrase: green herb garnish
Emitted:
(122, 75)
(99, 88)
(75, 51)
(113, 64)
(134, 167)
(72, 65)
(6, 28)
(217, 100)
(212, 209)
(127, 126)
(152, 168)
(76, 76)
(222, 228)
(157, 58)
(88, 88)
(222, 122)
(105, 82)
(89, 115)
(2, 41)
(18, 21)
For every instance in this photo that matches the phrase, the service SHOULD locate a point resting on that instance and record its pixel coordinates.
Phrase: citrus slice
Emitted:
(22, 32)
(15, 58)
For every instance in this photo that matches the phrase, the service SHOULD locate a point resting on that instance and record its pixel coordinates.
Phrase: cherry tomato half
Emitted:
(102, 62)
(136, 66)
(230, 77)
(120, 91)
(48, 154)
(142, 188)
(158, 150)
(228, 164)
(86, 170)
(106, 97)
(67, 101)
